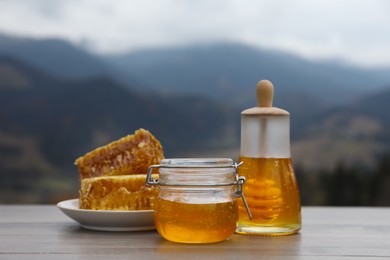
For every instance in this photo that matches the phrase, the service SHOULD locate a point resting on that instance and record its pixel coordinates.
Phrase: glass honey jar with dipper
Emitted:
(271, 188)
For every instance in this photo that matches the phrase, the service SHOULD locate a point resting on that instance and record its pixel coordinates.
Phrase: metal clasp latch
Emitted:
(149, 179)
(239, 192)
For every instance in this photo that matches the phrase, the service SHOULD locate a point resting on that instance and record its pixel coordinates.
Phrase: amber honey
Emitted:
(195, 223)
(272, 194)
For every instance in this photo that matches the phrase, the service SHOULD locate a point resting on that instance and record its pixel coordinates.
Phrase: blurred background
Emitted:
(77, 74)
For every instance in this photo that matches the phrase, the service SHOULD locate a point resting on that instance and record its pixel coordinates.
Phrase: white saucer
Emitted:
(108, 220)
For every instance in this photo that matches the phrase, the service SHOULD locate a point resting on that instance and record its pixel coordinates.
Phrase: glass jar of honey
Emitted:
(197, 199)
(271, 187)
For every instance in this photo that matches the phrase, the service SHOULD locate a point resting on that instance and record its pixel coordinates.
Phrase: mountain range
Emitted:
(46, 122)
(223, 71)
(59, 102)
(217, 71)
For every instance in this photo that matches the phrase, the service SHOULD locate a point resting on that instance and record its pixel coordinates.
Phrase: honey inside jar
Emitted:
(195, 223)
(272, 194)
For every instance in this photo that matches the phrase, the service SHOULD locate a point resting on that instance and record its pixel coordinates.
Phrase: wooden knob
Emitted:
(265, 93)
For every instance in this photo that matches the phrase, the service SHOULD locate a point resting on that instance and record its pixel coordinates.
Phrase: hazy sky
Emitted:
(357, 31)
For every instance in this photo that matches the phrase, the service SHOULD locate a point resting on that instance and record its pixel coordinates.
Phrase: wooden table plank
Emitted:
(42, 232)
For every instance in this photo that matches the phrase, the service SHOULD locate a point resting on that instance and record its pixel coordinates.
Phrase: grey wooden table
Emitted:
(44, 232)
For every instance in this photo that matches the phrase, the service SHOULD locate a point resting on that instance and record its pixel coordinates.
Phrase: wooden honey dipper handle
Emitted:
(265, 93)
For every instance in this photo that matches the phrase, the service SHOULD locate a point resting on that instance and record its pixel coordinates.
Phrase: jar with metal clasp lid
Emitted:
(197, 199)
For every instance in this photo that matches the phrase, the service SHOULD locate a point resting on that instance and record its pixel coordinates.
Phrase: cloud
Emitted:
(355, 30)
